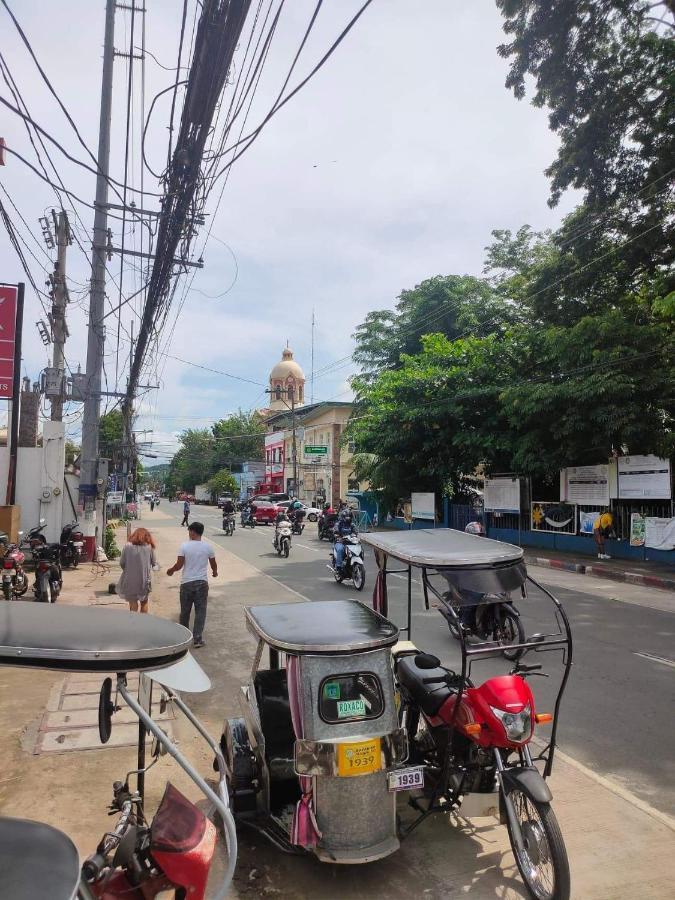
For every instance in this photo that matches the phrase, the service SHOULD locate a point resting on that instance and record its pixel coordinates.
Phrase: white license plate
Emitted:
(78, 544)
(406, 779)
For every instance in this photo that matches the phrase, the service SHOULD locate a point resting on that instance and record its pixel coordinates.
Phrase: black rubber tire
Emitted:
(312, 518)
(358, 576)
(556, 848)
(241, 765)
(7, 591)
(286, 547)
(21, 591)
(75, 560)
(337, 575)
(515, 626)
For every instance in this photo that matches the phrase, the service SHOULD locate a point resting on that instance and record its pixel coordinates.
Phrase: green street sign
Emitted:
(316, 450)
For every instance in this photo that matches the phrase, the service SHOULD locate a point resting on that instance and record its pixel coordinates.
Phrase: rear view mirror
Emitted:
(43, 521)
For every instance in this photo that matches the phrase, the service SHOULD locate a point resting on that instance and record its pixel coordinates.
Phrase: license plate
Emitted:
(360, 758)
(78, 544)
(406, 779)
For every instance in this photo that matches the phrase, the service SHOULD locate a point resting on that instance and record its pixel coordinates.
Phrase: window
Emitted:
(277, 392)
(290, 391)
(350, 698)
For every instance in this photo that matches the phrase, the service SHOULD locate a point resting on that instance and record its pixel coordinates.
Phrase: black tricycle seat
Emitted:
(430, 697)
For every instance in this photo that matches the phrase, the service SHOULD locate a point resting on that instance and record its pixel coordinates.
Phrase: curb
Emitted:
(653, 581)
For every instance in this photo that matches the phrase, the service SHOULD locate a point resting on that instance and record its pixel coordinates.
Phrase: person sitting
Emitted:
(343, 528)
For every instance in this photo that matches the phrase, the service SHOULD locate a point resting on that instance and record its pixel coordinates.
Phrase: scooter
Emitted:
(48, 573)
(72, 542)
(297, 521)
(352, 568)
(228, 524)
(326, 525)
(247, 518)
(14, 578)
(282, 538)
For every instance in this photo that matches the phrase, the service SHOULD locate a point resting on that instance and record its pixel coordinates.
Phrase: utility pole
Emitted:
(59, 302)
(311, 380)
(89, 489)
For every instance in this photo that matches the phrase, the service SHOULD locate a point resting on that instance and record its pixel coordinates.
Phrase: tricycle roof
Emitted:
(87, 639)
(323, 626)
(444, 548)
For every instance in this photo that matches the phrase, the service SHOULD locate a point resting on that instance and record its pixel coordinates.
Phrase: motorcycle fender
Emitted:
(529, 780)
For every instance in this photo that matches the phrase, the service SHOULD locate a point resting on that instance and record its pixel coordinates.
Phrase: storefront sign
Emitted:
(644, 478)
(423, 506)
(585, 484)
(8, 298)
(316, 450)
(502, 495)
(659, 533)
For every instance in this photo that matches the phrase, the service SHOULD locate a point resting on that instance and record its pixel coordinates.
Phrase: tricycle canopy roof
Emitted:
(87, 639)
(444, 548)
(323, 626)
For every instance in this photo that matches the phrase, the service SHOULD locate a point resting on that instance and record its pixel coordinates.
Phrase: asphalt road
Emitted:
(617, 713)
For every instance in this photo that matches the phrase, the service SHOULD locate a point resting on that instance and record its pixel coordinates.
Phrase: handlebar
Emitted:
(94, 865)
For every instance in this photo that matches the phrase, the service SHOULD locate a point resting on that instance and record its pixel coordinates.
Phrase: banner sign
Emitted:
(8, 298)
(644, 478)
(552, 516)
(637, 530)
(502, 495)
(659, 533)
(587, 521)
(586, 484)
(115, 497)
(423, 506)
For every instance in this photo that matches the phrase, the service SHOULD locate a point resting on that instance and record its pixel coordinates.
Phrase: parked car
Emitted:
(265, 512)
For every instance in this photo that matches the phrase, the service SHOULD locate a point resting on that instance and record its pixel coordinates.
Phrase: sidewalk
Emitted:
(646, 574)
(618, 847)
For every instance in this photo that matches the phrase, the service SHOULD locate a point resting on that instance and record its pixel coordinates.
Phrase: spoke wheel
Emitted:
(543, 862)
(510, 631)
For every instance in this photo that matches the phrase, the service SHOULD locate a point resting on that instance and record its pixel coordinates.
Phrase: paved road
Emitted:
(617, 716)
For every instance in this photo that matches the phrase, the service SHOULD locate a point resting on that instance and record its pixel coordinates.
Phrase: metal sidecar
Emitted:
(310, 764)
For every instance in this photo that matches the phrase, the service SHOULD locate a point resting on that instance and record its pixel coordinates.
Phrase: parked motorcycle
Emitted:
(48, 573)
(486, 617)
(72, 542)
(297, 518)
(353, 568)
(282, 538)
(14, 577)
(228, 524)
(326, 525)
(35, 537)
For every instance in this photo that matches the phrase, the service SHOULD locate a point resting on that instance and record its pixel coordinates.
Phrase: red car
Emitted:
(265, 512)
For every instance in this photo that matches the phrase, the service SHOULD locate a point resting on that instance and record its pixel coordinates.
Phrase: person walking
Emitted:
(194, 558)
(137, 562)
(186, 513)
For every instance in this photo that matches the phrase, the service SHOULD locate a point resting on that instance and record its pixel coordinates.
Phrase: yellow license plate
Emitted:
(359, 758)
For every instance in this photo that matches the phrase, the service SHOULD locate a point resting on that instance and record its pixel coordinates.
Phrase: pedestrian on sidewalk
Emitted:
(603, 527)
(194, 558)
(137, 562)
(186, 513)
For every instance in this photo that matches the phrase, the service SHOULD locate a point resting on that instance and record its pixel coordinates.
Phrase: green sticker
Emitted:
(331, 690)
(346, 709)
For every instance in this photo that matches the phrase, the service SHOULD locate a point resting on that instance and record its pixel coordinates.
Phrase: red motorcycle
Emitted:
(14, 578)
(469, 743)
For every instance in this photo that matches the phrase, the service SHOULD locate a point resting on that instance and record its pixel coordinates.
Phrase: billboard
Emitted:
(644, 478)
(502, 494)
(585, 485)
(8, 298)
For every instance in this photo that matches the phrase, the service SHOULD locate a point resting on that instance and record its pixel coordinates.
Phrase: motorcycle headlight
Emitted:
(517, 725)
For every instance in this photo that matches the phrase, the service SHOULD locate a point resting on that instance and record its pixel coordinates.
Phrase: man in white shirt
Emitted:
(194, 558)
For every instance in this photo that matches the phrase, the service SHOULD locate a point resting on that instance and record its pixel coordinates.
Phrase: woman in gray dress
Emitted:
(137, 562)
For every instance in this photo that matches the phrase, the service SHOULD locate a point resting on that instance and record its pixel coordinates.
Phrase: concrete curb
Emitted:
(599, 571)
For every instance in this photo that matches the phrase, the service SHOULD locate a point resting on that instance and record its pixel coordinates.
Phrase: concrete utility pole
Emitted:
(89, 490)
(59, 302)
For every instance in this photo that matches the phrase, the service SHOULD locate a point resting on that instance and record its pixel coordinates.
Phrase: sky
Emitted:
(392, 165)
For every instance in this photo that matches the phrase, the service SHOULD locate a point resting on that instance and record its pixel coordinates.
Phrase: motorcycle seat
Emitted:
(429, 696)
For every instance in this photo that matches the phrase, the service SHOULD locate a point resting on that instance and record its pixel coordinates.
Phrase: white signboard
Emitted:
(586, 484)
(423, 506)
(644, 478)
(115, 497)
(659, 533)
(502, 495)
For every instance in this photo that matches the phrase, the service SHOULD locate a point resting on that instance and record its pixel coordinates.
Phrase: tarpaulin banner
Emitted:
(8, 298)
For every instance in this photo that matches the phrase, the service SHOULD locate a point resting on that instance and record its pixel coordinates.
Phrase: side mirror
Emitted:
(158, 749)
(43, 521)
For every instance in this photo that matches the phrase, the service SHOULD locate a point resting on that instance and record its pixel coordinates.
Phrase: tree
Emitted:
(223, 482)
(193, 463)
(238, 438)
(111, 434)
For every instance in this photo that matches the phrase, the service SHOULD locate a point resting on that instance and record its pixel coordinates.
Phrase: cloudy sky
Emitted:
(392, 165)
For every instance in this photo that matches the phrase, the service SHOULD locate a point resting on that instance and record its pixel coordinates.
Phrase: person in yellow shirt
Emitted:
(603, 527)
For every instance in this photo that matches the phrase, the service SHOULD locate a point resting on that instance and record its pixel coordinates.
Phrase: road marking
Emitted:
(305, 547)
(611, 786)
(645, 654)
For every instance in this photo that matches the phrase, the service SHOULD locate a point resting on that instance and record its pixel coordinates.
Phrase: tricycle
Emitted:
(137, 858)
(340, 717)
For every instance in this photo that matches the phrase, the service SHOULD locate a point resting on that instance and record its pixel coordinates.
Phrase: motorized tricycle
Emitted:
(472, 741)
(136, 859)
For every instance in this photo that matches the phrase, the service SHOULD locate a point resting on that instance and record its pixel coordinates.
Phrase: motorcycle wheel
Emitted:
(510, 631)
(7, 591)
(337, 574)
(20, 591)
(543, 863)
(286, 546)
(358, 576)
(75, 561)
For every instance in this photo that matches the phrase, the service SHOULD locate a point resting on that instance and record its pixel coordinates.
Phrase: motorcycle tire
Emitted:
(358, 576)
(513, 632)
(286, 547)
(20, 591)
(543, 844)
(7, 591)
(76, 559)
(338, 575)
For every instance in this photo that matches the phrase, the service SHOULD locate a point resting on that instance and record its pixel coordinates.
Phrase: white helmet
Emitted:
(475, 528)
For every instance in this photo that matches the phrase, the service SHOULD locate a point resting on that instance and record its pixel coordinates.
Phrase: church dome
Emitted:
(287, 366)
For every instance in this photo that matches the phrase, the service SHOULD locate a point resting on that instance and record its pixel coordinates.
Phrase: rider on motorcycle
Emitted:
(228, 510)
(343, 527)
